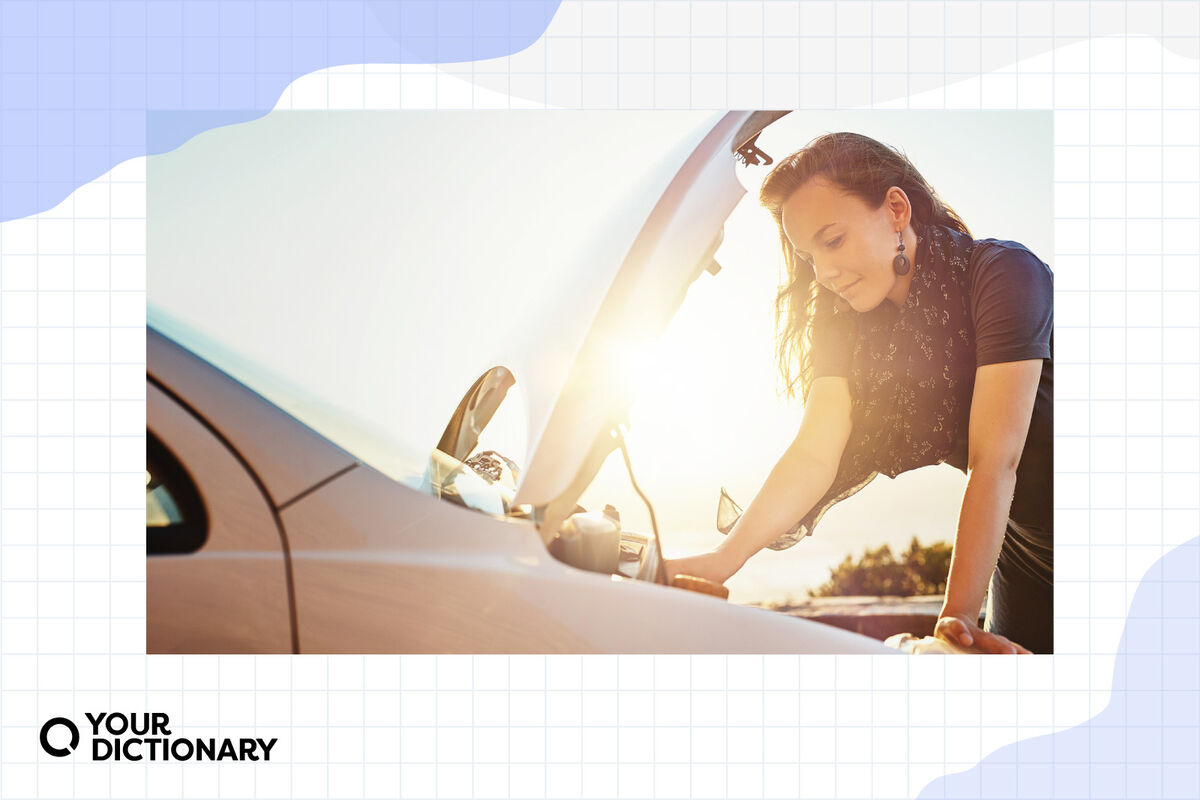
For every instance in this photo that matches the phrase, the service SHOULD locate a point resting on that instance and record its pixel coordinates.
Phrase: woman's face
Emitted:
(850, 244)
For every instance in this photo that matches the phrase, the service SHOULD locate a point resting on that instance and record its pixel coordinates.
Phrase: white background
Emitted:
(1127, 186)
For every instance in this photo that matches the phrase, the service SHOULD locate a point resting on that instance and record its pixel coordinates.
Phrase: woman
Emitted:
(911, 344)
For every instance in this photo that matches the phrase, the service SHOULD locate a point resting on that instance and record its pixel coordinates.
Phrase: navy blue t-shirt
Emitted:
(1012, 309)
(1012, 313)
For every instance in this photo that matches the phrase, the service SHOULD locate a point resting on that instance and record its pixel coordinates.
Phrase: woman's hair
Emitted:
(865, 169)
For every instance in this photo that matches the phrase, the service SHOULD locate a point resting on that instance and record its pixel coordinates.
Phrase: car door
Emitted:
(216, 571)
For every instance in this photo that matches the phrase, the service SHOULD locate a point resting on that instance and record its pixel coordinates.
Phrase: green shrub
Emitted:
(920, 570)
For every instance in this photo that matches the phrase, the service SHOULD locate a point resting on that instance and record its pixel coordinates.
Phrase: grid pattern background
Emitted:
(1123, 80)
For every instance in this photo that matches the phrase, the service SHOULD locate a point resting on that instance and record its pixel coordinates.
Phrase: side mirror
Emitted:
(474, 412)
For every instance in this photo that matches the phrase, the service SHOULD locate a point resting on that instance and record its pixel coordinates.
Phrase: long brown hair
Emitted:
(866, 169)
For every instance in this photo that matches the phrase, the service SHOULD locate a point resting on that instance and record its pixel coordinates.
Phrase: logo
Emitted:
(51, 724)
(145, 736)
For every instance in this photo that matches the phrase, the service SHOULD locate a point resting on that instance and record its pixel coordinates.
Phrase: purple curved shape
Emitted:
(1146, 742)
(77, 77)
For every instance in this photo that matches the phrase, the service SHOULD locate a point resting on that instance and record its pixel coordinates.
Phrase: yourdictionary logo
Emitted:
(57, 722)
(146, 737)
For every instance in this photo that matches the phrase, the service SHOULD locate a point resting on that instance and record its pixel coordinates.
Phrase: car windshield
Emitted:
(361, 269)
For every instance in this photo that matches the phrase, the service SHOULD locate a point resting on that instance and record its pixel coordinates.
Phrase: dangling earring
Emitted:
(901, 264)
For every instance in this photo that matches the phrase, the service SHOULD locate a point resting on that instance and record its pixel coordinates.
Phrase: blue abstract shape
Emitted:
(79, 77)
(1146, 742)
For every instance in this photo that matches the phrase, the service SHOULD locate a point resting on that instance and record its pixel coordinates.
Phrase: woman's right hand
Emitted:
(800, 478)
(960, 630)
(714, 566)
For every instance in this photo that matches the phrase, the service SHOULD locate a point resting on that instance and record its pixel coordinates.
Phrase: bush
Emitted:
(920, 570)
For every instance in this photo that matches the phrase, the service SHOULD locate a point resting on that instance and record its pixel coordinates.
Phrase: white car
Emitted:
(339, 308)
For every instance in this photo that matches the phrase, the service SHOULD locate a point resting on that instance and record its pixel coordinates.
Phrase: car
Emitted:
(386, 356)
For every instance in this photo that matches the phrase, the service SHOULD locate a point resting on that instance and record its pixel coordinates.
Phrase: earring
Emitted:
(901, 264)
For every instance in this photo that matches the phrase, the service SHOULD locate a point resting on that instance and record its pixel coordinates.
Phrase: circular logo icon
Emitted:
(59, 752)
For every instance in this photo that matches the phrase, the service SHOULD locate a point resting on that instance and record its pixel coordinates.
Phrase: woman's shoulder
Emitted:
(1011, 302)
(1006, 255)
(1000, 266)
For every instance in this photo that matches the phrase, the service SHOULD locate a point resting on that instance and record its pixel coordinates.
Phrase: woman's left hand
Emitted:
(964, 633)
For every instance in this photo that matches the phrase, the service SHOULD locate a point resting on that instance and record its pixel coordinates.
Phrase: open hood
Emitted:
(674, 246)
(363, 270)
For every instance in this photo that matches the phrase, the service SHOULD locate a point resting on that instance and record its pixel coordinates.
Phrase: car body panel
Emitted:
(231, 596)
(288, 458)
(379, 567)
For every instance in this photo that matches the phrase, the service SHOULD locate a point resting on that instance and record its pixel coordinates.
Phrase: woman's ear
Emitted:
(898, 206)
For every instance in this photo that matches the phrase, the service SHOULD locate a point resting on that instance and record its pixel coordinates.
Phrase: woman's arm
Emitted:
(1001, 407)
(799, 479)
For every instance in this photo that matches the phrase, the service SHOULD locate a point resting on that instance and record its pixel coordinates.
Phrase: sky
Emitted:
(708, 413)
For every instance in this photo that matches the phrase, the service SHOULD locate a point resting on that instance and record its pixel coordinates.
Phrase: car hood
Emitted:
(673, 247)
(362, 270)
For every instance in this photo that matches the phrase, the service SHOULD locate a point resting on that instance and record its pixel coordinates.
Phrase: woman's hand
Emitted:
(961, 631)
(715, 566)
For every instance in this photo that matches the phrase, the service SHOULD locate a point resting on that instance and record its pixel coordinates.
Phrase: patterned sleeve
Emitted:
(1012, 304)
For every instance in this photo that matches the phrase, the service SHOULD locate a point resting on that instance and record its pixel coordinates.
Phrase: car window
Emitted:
(176, 521)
